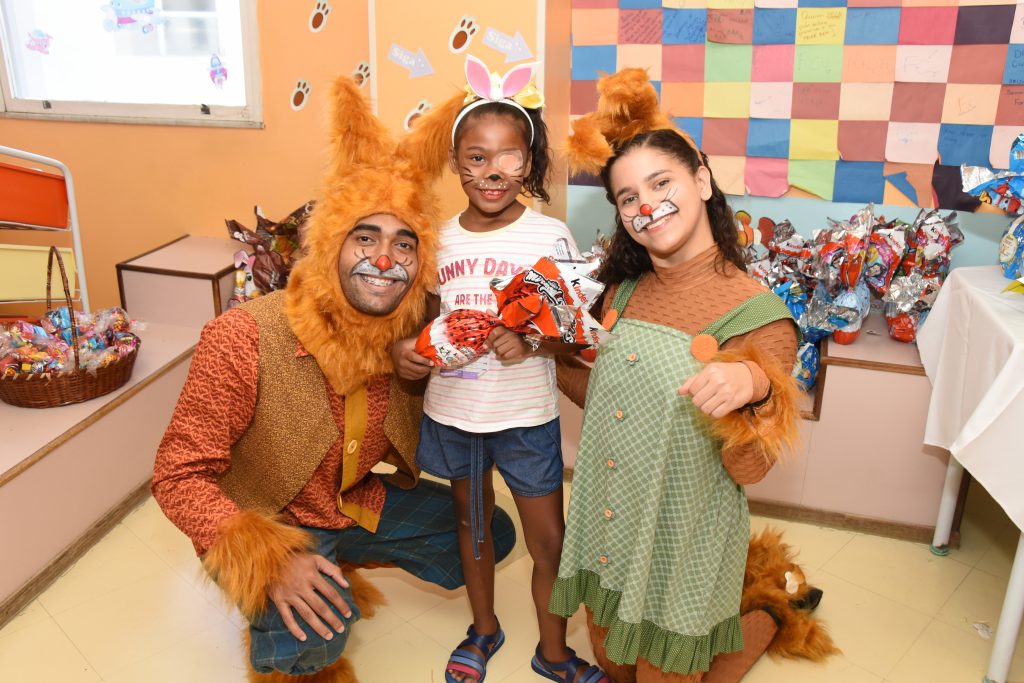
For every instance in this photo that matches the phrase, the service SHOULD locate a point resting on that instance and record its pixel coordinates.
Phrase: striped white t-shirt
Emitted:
(506, 394)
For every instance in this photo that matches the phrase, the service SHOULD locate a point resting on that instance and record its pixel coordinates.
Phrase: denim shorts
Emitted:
(529, 458)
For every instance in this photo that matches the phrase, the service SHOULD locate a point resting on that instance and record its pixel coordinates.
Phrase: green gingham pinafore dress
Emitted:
(657, 533)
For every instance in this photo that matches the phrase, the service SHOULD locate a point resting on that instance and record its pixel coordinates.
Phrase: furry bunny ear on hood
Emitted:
(627, 106)
(369, 173)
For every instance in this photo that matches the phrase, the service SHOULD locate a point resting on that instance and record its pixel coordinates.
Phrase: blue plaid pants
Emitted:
(417, 532)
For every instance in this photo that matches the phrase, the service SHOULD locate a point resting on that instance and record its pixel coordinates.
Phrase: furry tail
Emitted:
(249, 555)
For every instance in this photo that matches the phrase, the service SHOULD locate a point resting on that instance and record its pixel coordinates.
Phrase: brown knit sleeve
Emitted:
(749, 463)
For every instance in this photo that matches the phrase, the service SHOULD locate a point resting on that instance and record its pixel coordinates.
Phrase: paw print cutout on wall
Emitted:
(300, 95)
(462, 35)
(318, 17)
(410, 119)
(362, 74)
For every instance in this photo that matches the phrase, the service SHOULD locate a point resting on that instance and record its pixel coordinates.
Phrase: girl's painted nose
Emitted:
(646, 209)
(383, 263)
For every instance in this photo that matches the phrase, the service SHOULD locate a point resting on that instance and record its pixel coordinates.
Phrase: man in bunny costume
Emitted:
(290, 402)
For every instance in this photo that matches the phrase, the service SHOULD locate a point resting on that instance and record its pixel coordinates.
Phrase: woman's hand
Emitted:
(303, 590)
(409, 364)
(720, 388)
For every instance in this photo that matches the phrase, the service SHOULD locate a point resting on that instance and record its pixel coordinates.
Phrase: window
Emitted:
(142, 61)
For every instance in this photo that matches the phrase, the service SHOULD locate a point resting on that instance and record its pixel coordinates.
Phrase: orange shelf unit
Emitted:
(32, 198)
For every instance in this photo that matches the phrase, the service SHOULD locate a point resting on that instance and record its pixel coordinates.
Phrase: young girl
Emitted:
(502, 409)
(657, 534)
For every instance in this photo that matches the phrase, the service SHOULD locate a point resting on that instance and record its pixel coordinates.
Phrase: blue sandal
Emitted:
(470, 663)
(569, 667)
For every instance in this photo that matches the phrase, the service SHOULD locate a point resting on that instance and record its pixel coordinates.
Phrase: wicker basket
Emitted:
(58, 389)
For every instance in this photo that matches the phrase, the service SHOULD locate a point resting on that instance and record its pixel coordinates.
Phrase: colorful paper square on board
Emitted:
(984, 25)
(682, 99)
(639, 26)
(818, 63)
(682, 63)
(768, 138)
(693, 126)
(872, 26)
(858, 181)
(865, 101)
(816, 100)
(773, 63)
(725, 136)
(774, 26)
(863, 140)
(978, 63)
(771, 100)
(734, 26)
(684, 26)
(963, 144)
(727, 63)
(595, 26)
(813, 139)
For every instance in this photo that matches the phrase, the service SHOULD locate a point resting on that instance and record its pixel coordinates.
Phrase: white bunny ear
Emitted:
(240, 256)
(478, 77)
(516, 79)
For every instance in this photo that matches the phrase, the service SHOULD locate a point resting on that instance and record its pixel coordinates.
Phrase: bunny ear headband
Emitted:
(627, 107)
(515, 89)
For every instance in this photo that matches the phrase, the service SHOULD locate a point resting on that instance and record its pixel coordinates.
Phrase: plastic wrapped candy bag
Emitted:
(790, 248)
(805, 371)
(907, 304)
(104, 337)
(1004, 190)
(793, 295)
(929, 243)
(840, 250)
(824, 316)
(1011, 250)
(550, 301)
(859, 299)
(885, 253)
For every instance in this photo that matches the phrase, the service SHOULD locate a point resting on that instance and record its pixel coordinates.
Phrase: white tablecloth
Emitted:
(972, 348)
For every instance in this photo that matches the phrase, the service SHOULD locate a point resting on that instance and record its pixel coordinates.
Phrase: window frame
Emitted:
(250, 116)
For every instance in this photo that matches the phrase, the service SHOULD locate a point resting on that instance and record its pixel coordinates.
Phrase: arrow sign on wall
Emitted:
(415, 62)
(513, 47)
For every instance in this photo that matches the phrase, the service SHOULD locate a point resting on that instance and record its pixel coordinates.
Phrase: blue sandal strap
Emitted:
(487, 644)
(569, 667)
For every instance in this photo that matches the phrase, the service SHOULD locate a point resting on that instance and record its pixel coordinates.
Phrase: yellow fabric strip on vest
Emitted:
(356, 417)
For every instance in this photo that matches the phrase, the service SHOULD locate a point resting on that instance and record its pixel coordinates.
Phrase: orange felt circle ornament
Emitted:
(704, 347)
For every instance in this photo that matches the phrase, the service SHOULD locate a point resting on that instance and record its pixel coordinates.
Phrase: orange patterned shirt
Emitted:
(215, 408)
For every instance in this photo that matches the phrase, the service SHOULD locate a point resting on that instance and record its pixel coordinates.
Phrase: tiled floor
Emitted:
(136, 610)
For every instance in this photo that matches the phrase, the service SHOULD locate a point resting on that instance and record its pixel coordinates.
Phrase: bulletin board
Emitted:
(846, 100)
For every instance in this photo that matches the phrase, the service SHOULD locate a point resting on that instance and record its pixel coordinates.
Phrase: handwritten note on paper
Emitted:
(923, 63)
(684, 27)
(820, 25)
(960, 144)
(912, 143)
(970, 103)
(771, 100)
(639, 27)
(731, 26)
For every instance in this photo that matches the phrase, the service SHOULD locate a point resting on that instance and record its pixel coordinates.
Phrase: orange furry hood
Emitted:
(628, 106)
(369, 174)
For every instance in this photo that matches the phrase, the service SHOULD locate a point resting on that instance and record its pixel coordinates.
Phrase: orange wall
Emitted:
(139, 186)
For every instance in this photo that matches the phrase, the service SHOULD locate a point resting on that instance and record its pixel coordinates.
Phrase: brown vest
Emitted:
(293, 427)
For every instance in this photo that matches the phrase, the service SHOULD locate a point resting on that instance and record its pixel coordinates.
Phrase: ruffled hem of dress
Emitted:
(667, 650)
